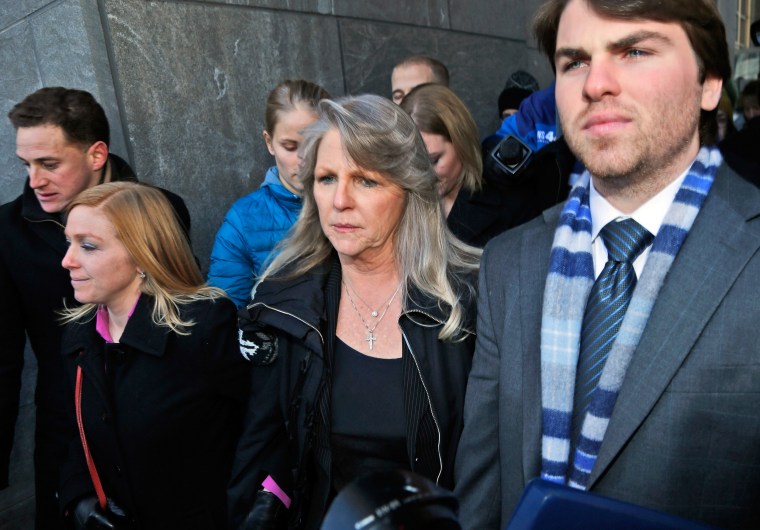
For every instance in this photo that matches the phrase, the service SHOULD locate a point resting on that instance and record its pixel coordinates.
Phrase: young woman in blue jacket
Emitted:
(258, 221)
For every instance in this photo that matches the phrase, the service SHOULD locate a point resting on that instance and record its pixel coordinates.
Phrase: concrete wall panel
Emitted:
(20, 77)
(15, 10)
(434, 13)
(508, 19)
(371, 49)
(194, 79)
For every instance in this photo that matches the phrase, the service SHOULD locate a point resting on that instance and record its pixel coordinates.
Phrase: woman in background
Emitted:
(258, 221)
(476, 209)
(158, 382)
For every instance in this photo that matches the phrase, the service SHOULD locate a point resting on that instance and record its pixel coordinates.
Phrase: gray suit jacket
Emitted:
(685, 433)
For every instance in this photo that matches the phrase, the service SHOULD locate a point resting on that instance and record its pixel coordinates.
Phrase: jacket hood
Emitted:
(294, 305)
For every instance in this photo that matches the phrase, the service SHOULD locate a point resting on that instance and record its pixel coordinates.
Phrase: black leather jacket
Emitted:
(291, 327)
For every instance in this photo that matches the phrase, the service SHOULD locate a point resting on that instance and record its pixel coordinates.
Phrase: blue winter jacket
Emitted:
(251, 229)
(536, 122)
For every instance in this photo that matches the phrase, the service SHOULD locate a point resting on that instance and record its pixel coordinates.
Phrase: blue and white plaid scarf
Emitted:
(571, 275)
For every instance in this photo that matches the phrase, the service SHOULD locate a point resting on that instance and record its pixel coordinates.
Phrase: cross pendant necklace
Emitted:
(371, 339)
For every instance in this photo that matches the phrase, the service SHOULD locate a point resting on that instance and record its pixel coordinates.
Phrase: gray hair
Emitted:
(379, 136)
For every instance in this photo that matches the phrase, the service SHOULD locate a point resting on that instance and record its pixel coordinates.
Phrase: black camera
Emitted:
(392, 500)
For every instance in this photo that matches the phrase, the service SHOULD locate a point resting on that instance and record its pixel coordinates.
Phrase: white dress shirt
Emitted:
(649, 215)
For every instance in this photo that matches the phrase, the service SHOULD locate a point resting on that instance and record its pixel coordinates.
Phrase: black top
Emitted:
(741, 152)
(288, 423)
(368, 418)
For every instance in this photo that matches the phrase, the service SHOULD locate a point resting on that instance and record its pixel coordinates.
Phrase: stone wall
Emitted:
(184, 85)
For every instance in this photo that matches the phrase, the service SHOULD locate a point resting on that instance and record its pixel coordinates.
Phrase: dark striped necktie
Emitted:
(605, 309)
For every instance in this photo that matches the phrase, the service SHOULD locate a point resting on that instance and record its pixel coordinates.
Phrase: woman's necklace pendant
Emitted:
(374, 315)
(371, 339)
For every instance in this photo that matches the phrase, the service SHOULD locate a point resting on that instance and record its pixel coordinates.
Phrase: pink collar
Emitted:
(101, 321)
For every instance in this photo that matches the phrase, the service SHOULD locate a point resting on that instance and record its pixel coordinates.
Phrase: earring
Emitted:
(142, 275)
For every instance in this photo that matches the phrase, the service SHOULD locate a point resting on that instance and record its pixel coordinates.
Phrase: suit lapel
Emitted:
(717, 249)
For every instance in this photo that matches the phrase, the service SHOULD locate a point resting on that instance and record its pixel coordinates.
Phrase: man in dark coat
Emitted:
(740, 150)
(62, 138)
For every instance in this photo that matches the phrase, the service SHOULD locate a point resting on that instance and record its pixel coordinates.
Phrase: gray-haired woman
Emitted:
(361, 330)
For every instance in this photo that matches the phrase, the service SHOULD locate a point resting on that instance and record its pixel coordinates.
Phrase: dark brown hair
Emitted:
(76, 112)
(699, 19)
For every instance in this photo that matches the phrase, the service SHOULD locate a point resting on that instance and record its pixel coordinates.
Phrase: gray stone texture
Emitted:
(508, 19)
(184, 86)
(430, 13)
(20, 77)
(194, 80)
(479, 87)
(14, 10)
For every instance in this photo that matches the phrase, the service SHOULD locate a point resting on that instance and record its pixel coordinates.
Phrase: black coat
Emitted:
(33, 285)
(161, 412)
(285, 434)
(741, 151)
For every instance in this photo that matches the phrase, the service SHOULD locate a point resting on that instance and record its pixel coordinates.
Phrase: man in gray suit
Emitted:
(667, 415)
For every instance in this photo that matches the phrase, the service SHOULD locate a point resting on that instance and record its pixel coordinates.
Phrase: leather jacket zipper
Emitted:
(427, 392)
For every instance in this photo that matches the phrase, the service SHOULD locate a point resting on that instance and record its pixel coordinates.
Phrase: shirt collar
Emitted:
(102, 321)
(649, 215)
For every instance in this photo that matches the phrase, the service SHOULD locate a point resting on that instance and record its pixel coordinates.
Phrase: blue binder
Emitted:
(549, 506)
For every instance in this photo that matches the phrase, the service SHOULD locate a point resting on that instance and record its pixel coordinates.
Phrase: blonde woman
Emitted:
(476, 208)
(151, 355)
(361, 330)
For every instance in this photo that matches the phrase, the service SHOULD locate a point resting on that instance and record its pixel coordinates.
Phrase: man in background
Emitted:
(741, 150)
(62, 138)
(414, 71)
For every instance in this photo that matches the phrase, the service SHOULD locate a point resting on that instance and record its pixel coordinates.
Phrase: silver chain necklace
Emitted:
(371, 338)
(373, 312)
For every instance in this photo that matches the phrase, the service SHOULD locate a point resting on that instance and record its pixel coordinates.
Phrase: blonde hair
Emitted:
(379, 136)
(288, 96)
(147, 226)
(435, 109)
